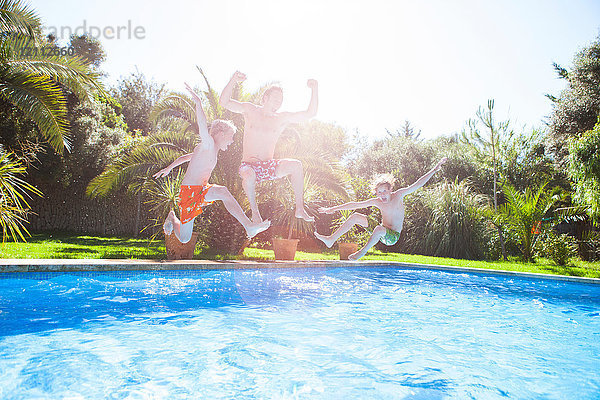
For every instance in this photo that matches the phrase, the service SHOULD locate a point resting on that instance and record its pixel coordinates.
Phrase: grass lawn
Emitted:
(542, 266)
(84, 246)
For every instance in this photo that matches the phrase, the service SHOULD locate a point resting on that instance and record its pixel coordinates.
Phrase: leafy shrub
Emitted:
(558, 248)
(521, 212)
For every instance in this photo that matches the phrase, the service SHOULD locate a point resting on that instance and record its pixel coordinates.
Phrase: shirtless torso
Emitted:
(392, 213)
(202, 163)
(263, 126)
(261, 132)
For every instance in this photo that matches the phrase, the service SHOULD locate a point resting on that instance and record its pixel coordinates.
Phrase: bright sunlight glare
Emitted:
(378, 63)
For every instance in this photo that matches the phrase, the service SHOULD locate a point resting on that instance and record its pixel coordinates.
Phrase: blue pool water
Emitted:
(336, 333)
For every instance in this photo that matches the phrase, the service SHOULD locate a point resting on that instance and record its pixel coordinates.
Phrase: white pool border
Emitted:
(99, 265)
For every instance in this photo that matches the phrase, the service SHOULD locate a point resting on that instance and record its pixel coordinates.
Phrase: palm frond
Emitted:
(18, 17)
(13, 192)
(139, 164)
(42, 101)
(71, 72)
(175, 107)
(212, 96)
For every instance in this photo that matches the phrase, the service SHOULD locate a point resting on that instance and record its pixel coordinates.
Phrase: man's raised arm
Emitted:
(422, 180)
(226, 101)
(311, 111)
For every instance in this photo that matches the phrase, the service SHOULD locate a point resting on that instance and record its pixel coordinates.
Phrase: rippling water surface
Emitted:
(334, 333)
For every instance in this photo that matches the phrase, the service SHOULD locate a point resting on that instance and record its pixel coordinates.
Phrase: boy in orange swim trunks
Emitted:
(196, 192)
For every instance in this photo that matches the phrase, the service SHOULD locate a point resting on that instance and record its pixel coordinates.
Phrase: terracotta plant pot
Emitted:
(346, 249)
(180, 251)
(285, 249)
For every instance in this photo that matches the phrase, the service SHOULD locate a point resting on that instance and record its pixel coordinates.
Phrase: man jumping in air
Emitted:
(263, 126)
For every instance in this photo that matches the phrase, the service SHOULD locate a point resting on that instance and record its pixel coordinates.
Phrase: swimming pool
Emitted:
(377, 332)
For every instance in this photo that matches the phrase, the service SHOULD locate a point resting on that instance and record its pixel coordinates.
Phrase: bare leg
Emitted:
(293, 168)
(354, 219)
(249, 184)
(233, 207)
(183, 232)
(378, 233)
(168, 225)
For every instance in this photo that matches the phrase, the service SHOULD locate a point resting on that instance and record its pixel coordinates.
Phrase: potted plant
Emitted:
(284, 216)
(284, 249)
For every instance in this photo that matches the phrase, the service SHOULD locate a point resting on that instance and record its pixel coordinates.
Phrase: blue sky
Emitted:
(378, 63)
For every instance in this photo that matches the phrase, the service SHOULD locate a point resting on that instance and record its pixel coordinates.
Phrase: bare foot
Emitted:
(168, 225)
(255, 229)
(355, 256)
(301, 213)
(325, 239)
(256, 219)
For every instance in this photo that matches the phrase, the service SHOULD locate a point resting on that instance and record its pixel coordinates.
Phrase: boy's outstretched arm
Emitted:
(200, 117)
(419, 183)
(311, 111)
(165, 171)
(225, 99)
(353, 205)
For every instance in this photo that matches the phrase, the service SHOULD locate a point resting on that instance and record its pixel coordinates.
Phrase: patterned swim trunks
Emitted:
(191, 201)
(390, 238)
(264, 170)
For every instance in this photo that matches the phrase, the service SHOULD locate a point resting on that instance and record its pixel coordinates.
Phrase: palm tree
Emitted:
(33, 79)
(523, 212)
(13, 192)
(35, 82)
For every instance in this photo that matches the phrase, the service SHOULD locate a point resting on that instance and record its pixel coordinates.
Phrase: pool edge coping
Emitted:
(105, 265)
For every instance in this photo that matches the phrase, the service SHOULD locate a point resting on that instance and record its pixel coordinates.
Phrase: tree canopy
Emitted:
(577, 107)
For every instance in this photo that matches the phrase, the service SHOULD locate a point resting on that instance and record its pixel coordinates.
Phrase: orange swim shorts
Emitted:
(191, 201)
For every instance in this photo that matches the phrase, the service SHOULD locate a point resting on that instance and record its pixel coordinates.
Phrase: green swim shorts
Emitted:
(390, 238)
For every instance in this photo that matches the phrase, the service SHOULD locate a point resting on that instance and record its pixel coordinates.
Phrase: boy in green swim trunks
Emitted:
(391, 205)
